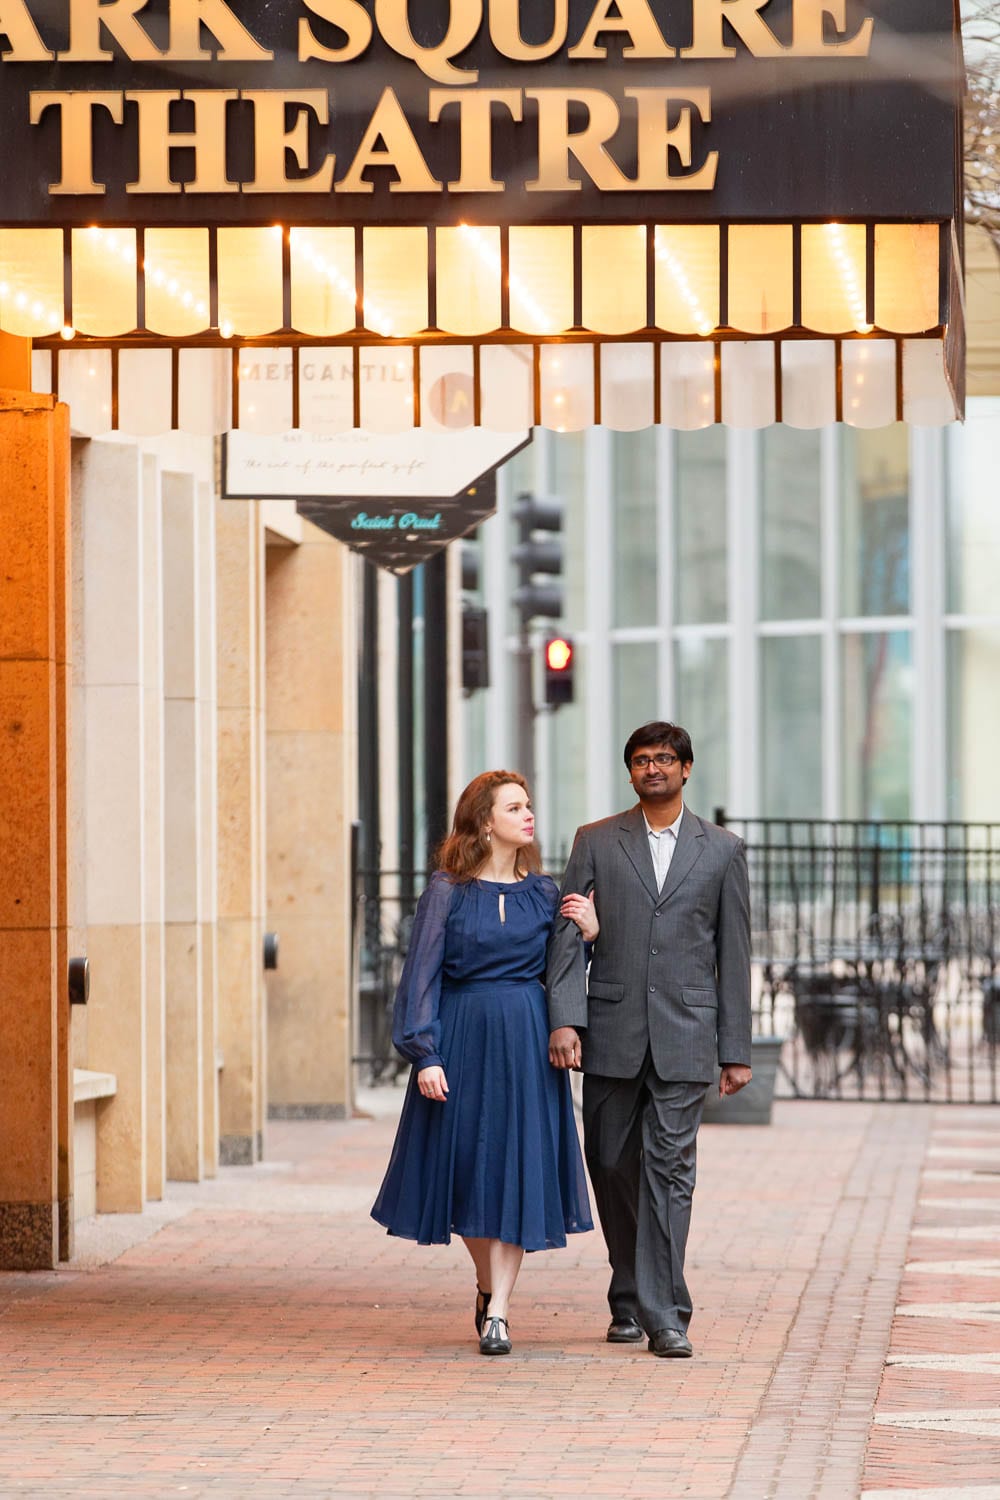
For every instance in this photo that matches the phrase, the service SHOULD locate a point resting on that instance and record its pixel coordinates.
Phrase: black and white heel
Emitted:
(495, 1337)
(482, 1304)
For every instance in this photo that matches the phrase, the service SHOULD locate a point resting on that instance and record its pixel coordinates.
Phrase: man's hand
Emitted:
(432, 1083)
(734, 1077)
(564, 1047)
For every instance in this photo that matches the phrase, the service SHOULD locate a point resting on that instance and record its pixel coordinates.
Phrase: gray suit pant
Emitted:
(640, 1144)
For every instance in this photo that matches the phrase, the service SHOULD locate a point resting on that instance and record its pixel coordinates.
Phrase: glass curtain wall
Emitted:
(973, 614)
(876, 664)
(791, 608)
(876, 744)
(875, 522)
(702, 676)
(700, 527)
(562, 739)
(634, 529)
(791, 684)
(864, 607)
(790, 525)
(700, 554)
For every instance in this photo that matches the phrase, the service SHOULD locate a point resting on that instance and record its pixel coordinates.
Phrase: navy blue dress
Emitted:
(500, 1158)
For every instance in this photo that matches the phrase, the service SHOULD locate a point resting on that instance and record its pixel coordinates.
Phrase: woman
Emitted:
(487, 1145)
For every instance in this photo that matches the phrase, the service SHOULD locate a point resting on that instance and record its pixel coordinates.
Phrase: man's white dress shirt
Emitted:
(662, 843)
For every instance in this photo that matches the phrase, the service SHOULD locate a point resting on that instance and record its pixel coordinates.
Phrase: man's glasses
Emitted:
(640, 762)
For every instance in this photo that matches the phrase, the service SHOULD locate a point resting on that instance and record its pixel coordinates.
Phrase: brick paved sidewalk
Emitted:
(937, 1419)
(269, 1340)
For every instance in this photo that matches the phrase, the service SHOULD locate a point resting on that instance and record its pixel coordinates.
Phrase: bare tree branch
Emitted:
(981, 36)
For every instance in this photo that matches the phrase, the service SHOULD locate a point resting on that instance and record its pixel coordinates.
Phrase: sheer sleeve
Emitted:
(552, 896)
(416, 1030)
(566, 971)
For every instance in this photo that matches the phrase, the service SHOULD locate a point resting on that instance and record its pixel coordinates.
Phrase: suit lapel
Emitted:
(635, 841)
(690, 844)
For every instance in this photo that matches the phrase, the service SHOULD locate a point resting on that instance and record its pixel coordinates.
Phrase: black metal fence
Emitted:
(385, 901)
(875, 949)
(876, 957)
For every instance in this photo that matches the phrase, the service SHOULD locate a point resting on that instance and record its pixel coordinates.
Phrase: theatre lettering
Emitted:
(122, 107)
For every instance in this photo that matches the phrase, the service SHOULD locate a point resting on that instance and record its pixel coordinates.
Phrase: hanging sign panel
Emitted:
(228, 112)
(398, 535)
(418, 464)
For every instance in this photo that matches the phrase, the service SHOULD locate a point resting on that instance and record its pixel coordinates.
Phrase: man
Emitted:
(668, 992)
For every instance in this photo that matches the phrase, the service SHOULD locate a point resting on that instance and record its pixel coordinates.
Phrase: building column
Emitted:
(928, 553)
(108, 485)
(743, 796)
(387, 698)
(311, 796)
(598, 485)
(35, 1076)
(456, 719)
(71, 941)
(436, 769)
(242, 1038)
(208, 829)
(152, 637)
(184, 1051)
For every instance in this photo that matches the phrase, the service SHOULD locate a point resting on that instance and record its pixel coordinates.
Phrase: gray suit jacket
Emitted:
(670, 970)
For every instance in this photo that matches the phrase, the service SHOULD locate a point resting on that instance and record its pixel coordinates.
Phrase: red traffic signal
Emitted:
(558, 654)
(559, 657)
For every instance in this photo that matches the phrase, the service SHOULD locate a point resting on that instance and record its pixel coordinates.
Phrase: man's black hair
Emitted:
(660, 733)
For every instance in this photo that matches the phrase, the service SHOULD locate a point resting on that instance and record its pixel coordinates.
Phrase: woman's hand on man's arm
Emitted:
(581, 910)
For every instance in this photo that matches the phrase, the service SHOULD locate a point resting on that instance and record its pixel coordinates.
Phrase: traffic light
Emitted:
(475, 624)
(559, 659)
(535, 555)
(475, 648)
(470, 556)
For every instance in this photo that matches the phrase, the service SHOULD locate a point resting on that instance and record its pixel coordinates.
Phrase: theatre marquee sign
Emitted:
(511, 111)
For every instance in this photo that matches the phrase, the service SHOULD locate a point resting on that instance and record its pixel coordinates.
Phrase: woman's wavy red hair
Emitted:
(466, 849)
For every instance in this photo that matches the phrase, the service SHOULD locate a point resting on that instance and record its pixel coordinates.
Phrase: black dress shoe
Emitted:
(624, 1331)
(670, 1343)
(482, 1303)
(496, 1337)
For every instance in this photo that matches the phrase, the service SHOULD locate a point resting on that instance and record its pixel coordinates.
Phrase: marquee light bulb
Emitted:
(702, 323)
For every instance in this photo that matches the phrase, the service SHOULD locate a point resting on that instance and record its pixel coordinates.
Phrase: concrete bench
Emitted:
(89, 1089)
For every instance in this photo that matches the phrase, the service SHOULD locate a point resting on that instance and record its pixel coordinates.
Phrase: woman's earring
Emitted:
(486, 835)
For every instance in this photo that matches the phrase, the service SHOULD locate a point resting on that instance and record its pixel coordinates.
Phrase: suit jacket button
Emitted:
(654, 950)
(652, 989)
(658, 912)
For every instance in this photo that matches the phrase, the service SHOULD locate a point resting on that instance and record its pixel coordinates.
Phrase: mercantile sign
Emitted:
(508, 111)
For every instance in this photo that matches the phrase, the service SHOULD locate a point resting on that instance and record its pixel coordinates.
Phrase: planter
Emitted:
(752, 1105)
